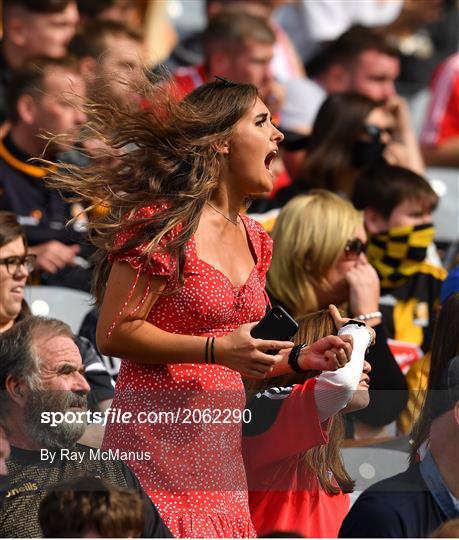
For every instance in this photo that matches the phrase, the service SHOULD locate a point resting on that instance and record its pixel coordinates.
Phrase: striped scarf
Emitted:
(398, 253)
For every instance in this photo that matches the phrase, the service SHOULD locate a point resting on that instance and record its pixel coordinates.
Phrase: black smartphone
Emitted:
(276, 324)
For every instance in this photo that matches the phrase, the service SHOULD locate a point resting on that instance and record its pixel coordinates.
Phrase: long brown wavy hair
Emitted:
(320, 460)
(445, 345)
(165, 152)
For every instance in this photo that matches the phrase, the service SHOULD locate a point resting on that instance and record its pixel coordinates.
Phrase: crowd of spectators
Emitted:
(137, 181)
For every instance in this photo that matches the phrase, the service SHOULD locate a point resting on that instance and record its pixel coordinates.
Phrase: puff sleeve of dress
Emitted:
(158, 263)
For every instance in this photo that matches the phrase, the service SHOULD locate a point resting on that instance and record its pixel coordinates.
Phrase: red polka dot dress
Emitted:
(187, 452)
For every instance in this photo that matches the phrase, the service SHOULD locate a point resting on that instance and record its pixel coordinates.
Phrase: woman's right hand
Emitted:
(246, 354)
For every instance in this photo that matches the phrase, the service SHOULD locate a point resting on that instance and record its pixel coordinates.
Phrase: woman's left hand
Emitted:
(341, 321)
(338, 319)
(327, 354)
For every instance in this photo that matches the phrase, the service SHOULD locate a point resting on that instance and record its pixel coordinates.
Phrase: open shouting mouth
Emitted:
(268, 160)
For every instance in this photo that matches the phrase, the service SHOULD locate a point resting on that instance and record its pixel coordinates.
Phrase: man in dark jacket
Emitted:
(414, 503)
(41, 101)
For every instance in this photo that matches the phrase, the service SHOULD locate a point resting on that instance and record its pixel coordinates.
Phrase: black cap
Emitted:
(445, 394)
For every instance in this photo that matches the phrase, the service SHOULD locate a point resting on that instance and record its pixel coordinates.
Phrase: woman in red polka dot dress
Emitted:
(179, 266)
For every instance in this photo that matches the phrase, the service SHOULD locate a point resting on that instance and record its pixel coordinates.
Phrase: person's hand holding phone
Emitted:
(248, 355)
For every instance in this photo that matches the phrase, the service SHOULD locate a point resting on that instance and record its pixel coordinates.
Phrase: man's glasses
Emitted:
(13, 264)
(375, 132)
(355, 247)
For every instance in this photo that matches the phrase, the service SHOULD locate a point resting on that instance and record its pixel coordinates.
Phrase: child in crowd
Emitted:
(298, 482)
(398, 205)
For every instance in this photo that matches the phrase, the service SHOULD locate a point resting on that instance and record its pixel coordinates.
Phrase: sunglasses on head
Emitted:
(355, 247)
(375, 132)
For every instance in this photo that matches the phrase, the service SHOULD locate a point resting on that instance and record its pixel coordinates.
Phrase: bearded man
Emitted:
(41, 373)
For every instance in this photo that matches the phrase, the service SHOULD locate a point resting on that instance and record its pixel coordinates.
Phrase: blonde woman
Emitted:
(319, 258)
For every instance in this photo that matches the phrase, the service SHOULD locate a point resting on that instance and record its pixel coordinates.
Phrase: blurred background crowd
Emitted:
(382, 73)
(366, 93)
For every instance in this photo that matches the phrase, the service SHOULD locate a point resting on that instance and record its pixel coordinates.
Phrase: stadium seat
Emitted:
(446, 217)
(368, 465)
(68, 305)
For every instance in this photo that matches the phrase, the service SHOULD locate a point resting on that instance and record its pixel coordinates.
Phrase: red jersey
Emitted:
(283, 494)
(442, 120)
(188, 78)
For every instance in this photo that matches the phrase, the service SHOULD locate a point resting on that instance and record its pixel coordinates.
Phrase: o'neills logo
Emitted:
(28, 486)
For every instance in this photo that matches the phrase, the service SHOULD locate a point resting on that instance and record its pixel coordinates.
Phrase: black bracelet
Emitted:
(293, 358)
(212, 352)
(354, 321)
(207, 351)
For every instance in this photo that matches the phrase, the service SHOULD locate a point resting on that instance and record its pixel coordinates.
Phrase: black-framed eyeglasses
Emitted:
(355, 247)
(375, 132)
(13, 264)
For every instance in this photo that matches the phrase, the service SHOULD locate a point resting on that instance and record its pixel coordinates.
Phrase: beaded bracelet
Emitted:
(368, 316)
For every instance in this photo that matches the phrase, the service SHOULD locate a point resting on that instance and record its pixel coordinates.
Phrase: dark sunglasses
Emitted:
(14, 263)
(375, 132)
(355, 247)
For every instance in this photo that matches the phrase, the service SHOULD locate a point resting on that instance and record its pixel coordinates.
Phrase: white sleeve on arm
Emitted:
(334, 389)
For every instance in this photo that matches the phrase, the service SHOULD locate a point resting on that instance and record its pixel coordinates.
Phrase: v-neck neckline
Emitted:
(212, 267)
